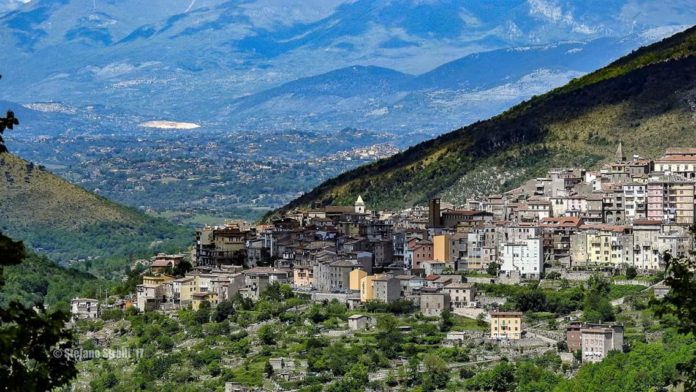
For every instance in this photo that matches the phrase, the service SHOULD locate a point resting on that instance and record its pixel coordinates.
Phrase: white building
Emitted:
(84, 308)
(525, 257)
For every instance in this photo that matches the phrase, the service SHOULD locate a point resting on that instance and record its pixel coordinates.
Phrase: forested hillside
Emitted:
(647, 100)
(67, 222)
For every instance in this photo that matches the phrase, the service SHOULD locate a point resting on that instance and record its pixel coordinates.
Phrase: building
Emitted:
(506, 325)
(359, 206)
(681, 161)
(386, 288)
(671, 199)
(433, 302)
(465, 218)
(358, 322)
(356, 276)
(84, 308)
(444, 248)
(434, 219)
(599, 340)
(461, 295)
(163, 262)
(222, 245)
(333, 276)
(525, 258)
(574, 337)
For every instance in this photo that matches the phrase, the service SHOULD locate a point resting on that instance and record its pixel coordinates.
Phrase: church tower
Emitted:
(620, 157)
(359, 205)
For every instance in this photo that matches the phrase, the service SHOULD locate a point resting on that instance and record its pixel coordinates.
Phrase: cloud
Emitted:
(11, 5)
(550, 10)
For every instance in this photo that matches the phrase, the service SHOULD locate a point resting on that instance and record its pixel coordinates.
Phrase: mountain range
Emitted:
(256, 64)
(646, 100)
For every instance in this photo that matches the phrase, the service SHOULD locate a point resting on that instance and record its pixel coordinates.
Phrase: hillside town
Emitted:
(569, 225)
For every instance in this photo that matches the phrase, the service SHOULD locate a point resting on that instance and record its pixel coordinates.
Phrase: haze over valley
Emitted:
(271, 83)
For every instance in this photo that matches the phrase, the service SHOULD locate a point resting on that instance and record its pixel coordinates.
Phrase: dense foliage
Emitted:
(28, 338)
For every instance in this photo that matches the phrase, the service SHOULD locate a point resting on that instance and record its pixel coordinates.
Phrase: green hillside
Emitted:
(67, 222)
(647, 100)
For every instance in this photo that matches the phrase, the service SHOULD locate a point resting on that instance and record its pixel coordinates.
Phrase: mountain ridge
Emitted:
(577, 124)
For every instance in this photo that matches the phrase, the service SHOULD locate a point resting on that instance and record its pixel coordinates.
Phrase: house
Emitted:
(333, 276)
(386, 288)
(163, 262)
(661, 290)
(433, 302)
(524, 257)
(599, 340)
(198, 298)
(84, 308)
(461, 295)
(574, 337)
(358, 322)
(433, 267)
(356, 276)
(506, 325)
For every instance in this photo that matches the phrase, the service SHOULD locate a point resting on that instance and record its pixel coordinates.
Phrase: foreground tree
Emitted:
(32, 342)
(7, 122)
(678, 307)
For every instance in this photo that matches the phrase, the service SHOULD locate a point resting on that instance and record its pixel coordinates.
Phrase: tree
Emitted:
(631, 272)
(32, 343)
(182, 268)
(268, 369)
(436, 373)
(597, 307)
(446, 321)
(267, 334)
(678, 307)
(202, 315)
(492, 269)
(224, 310)
(7, 122)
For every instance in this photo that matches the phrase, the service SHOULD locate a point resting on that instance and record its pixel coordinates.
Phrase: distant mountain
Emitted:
(192, 59)
(647, 100)
(67, 222)
(459, 92)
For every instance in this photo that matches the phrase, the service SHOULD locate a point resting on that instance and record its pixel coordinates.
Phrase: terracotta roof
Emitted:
(647, 222)
(680, 150)
(563, 221)
(677, 158)
(604, 227)
(506, 314)
(162, 263)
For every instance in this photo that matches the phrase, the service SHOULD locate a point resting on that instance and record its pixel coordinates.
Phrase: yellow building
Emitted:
(356, 276)
(506, 325)
(303, 276)
(156, 280)
(189, 285)
(441, 247)
(198, 298)
(367, 292)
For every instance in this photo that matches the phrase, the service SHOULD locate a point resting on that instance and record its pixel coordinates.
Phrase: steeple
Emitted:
(359, 205)
(620, 157)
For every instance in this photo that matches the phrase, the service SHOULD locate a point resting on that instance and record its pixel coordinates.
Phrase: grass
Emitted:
(467, 324)
(618, 291)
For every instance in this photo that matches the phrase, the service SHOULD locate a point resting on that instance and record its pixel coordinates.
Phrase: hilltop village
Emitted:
(567, 229)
